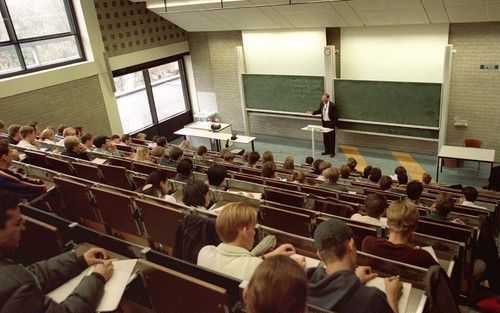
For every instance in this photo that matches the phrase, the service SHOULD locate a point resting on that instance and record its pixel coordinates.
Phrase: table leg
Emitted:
(437, 171)
(217, 144)
(313, 148)
(253, 147)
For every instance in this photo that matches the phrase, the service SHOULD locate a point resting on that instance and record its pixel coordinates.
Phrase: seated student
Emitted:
(35, 126)
(331, 175)
(161, 141)
(235, 226)
(339, 285)
(288, 164)
(104, 145)
(309, 160)
(322, 167)
(158, 152)
(228, 158)
(142, 155)
(253, 158)
(315, 166)
(385, 182)
(152, 144)
(79, 130)
(141, 136)
(375, 205)
(175, 155)
(68, 131)
(442, 207)
(268, 170)
(366, 171)
(48, 136)
(184, 171)
(88, 141)
(414, 191)
(115, 139)
(60, 130)
(402, 179)
(352, 163)
(426, 179)
(298, 177)
(267, 157)
(21, 186)
(201, 153)
(469, 196)
(125, 140)
(28, 138)
(375, 175)
(216, 175)
(261, 294)
(14, 136)
(195, 194)
(345, 173)
(244, 157)
(157, 186)
(398, 170)
(2, 127)
(74, 149)
(402, 219)
(23, 288)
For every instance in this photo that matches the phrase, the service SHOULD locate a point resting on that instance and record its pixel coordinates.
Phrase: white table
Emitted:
(194, 132)
(466, 154)
(316, 129)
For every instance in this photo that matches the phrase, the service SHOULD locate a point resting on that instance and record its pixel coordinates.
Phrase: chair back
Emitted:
(473, 143)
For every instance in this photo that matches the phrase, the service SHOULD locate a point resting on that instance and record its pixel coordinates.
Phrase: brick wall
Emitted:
(128, 27)
(475, 93)
(77, 102)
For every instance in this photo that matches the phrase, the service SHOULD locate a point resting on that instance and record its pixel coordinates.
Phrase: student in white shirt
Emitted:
(235, 226)
(469, 196)
(28, 138)
(375, 205)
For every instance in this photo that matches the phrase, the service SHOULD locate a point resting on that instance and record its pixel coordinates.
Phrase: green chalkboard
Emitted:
(282, 92)
(389, 102)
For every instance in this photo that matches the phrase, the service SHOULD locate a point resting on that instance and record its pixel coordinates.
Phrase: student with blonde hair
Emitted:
(298, 177)
(402, 219)
(261, 294)
(48, 136)
(235, 226)
(142, 155)
(267, 157)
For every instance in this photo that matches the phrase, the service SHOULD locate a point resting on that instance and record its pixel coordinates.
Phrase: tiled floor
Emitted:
(415, 163)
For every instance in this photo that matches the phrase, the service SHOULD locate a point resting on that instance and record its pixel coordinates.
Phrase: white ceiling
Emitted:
(216, 15)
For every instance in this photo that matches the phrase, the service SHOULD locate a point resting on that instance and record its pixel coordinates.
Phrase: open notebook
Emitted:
(403, 301)
(113, 290)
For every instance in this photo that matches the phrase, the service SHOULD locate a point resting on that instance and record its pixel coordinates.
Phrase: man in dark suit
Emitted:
(329, 118)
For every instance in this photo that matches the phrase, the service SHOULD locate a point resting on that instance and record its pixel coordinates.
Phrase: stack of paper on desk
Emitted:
(403, 301)
(113, 290)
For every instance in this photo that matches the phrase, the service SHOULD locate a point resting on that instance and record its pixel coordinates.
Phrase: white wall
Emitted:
(284, 52)
(413, 53)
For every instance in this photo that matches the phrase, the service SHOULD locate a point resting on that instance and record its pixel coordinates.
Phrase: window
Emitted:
(150, 95)
(36, 35)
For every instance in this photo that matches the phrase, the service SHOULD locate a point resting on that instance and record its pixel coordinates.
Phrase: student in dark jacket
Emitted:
(75, 149)
(23, 289)
(339, 285)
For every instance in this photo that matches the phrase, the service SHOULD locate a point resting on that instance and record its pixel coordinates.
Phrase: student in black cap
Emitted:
(339, 285)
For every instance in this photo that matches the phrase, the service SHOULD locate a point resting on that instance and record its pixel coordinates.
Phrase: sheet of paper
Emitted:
(310, 262)
(403, 301)
(99, 160)
(431, 251)
(113, 289)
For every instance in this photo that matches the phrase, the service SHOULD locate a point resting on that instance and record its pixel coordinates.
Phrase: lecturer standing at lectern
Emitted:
(329, 118)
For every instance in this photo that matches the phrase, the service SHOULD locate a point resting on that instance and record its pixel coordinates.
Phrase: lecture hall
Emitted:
(260, 156)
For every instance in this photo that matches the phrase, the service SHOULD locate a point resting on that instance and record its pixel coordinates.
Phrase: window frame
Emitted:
(16, 43)
(144, 68)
